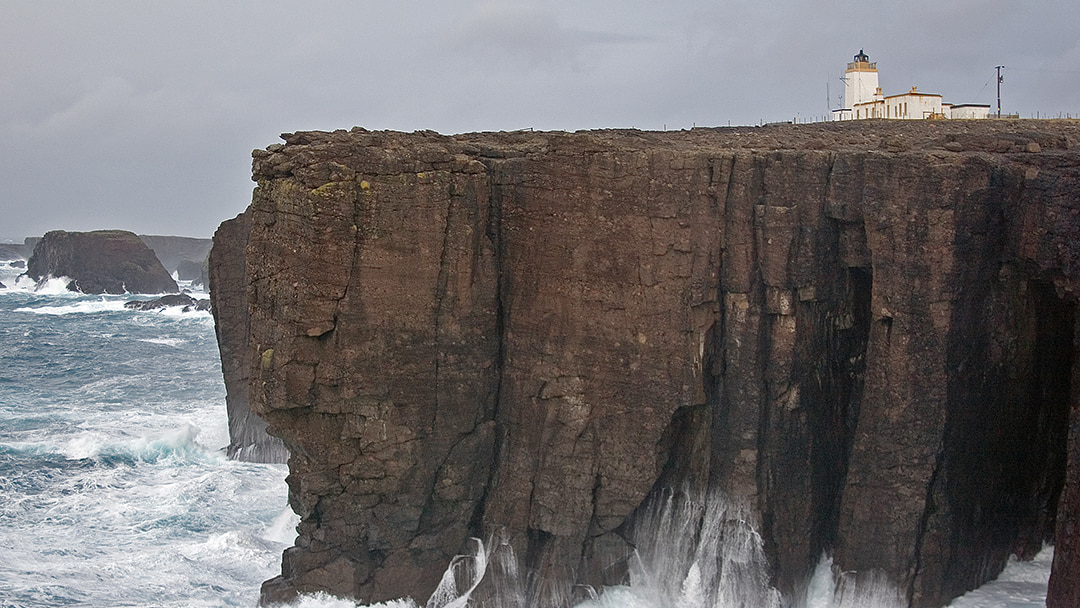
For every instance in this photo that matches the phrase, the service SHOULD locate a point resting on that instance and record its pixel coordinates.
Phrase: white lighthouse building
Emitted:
(863, 99)
(861, 81)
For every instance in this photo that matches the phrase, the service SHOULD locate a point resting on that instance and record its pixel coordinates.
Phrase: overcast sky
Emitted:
(142, 115)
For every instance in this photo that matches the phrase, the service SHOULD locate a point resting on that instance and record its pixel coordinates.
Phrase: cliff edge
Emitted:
(865, 332)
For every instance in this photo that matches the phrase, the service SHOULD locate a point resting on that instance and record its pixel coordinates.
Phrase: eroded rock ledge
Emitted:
(864, 330)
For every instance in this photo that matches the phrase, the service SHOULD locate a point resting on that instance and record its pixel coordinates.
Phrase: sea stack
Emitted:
(103, 261)
(864, 332)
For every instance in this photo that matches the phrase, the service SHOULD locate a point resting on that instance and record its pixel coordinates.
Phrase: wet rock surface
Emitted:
(864, 331)
(102, 261)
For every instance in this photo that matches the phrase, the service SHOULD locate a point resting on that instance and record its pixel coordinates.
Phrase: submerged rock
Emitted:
(185, 301)
(528, 335)
(103, 261)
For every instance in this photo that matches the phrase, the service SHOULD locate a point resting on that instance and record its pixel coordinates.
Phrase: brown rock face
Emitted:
(228, 295)
(864, 331)
(103, 261)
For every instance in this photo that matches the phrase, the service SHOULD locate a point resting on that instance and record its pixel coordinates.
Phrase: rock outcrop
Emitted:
(103, 261)
(228, 282)
(178, 300)
(865, 331)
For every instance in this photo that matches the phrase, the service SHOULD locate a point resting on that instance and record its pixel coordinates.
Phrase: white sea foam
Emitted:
(195, 291)
(821, 587)
(283, 528)
(177, 443)
(1020, 585)
(76, 307)
(174, 342)
(52, 286)
(178, 311)
(706, 555)
(322, 600)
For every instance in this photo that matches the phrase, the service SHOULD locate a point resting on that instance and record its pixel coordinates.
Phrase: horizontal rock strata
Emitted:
(864, 331)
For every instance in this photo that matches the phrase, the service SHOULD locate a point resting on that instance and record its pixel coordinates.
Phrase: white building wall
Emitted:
(870, 109)
(924, 106)
(914, 106)
(970, 111)
(859, 86)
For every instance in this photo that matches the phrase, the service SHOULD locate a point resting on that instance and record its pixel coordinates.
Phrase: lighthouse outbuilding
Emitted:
(863, 98)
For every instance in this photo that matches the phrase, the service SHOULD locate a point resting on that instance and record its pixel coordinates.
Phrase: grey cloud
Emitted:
(141, 115)
(530, 34)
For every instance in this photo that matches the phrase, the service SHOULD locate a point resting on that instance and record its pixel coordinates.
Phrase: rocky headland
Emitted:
(864, 332)
(102, 261)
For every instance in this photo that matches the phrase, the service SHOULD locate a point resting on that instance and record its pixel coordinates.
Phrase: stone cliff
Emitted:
(15, 251)
(102, 261)
(185, 256)
(228, 284)
(864, 331)
(176, 252)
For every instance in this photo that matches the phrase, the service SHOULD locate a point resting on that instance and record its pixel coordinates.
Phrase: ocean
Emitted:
(113, 487)
(114, 490)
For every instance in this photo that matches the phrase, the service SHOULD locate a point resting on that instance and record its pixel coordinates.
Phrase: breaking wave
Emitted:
(179, 444)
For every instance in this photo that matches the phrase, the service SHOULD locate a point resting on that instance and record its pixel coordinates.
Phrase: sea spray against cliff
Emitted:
(689, 553)
(695, 553)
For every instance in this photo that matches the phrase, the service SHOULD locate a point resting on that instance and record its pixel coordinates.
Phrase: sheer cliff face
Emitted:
(248, 439)
(863, 331)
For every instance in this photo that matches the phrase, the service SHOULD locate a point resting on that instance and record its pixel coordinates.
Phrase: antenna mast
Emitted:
(999, 80)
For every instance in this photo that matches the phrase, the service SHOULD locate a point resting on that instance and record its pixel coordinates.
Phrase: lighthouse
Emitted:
(863, 99)
(860, 81)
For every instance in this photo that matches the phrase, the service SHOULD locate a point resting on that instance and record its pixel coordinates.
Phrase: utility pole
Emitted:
(999, 79)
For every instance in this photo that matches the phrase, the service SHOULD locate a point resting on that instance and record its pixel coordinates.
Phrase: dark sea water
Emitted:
(114, 490)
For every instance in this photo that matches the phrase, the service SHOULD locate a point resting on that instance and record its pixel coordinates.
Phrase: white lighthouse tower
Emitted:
(860, 86)
(860, 81)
